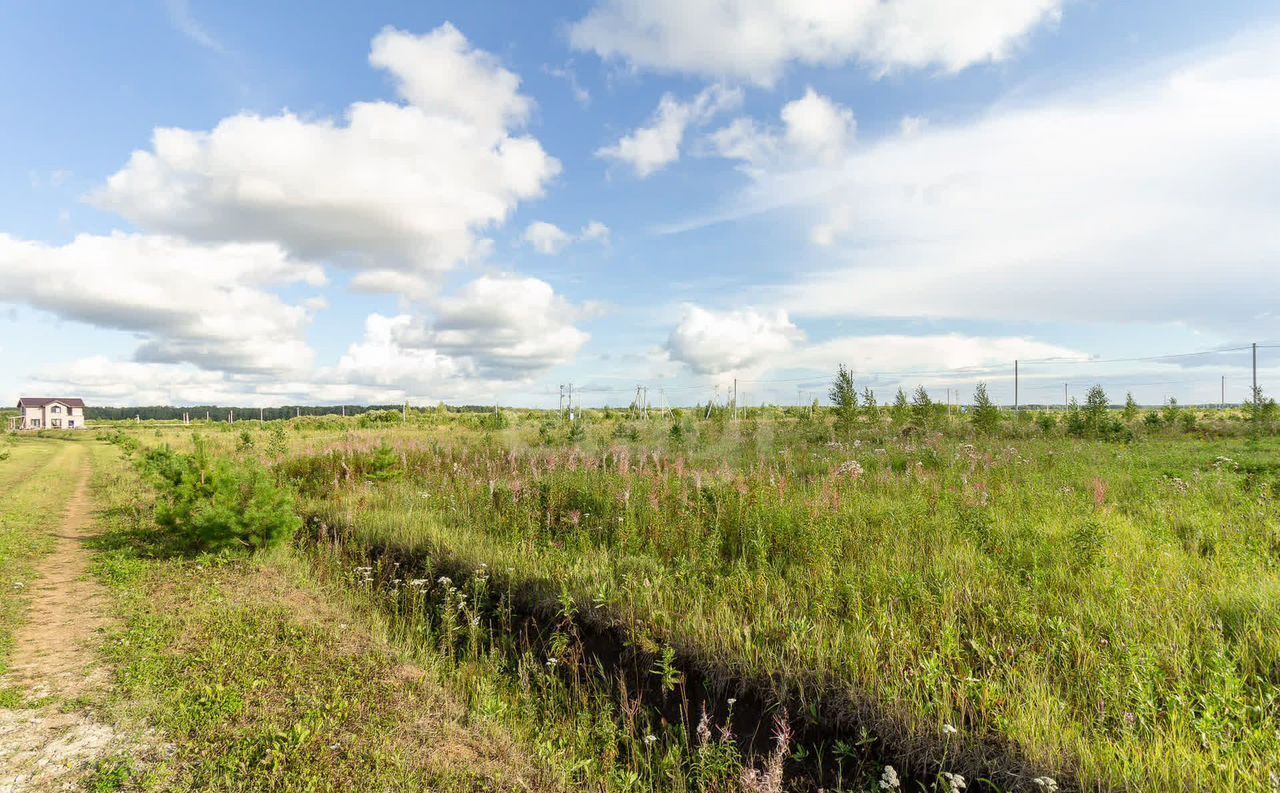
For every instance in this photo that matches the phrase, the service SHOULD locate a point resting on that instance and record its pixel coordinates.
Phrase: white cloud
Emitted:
(930, 353)
(440, 73)
(398, 187)
(651, 148)
(1147, 201)
(754, 40)
(381, 360)
(208, 305)
(595, 230)
(549, 239)
(546, 238)
(508, 325)
(814, 129)
(816, 124)
(100, 380)
(714, 342)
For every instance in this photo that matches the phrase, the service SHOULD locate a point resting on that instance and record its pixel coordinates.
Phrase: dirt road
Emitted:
(54, 737)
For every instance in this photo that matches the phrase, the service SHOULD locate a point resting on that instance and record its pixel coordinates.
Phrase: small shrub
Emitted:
(986, 416)
(217, 503)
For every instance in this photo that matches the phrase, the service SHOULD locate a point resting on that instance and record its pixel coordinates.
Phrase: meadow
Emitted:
(1052, 601)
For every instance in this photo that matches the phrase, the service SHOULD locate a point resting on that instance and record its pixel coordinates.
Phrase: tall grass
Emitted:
(1100, 613)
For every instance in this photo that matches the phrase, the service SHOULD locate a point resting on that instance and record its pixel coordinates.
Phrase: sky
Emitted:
(380, 202)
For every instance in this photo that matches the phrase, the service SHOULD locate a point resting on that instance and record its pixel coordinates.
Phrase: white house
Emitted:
(53, 413)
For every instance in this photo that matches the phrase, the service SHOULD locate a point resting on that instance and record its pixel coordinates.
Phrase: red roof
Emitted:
(39, 402)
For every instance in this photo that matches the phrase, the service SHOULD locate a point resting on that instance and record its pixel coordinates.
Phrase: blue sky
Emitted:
(217, 202)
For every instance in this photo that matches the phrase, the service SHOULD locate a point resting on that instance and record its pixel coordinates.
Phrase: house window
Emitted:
(56, 423)
(57, 408)
(71, 422)
(35, 423)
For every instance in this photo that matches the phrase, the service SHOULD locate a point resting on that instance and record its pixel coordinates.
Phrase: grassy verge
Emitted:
(37, 477)
(257, 677)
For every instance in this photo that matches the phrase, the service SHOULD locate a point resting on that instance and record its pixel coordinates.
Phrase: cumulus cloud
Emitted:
(755, 40)
(813, 129)
(546, 238)
(210, 305)
(507, 325)
(395, 187)
(1147, 201)
(714, 342)
(651, 148)
(549, 239)
(381, 359)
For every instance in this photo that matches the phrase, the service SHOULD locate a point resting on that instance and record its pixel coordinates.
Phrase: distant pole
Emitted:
(231, 416)
(404, 418)
(207, 417)
(344, 411)
(1064, 396)
(1255, 375)
(1222, 398)
(262, 414)
(735, 398)
(1015, 385)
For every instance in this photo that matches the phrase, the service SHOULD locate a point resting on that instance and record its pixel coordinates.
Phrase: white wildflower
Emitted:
(948, 729)
(955, 782)
(889, 779)
(1046, 783)
(650, 738)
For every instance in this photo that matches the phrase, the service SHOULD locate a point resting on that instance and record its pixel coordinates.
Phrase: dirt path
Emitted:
(48, 743)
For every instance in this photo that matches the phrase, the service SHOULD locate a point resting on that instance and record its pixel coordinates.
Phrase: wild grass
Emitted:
(1105, 614)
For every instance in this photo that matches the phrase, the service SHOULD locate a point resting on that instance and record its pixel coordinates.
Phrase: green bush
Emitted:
(217, 503)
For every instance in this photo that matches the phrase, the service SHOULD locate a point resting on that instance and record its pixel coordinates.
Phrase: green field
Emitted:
(1007, 606)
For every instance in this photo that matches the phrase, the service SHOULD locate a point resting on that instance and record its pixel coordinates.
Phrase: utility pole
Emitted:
(560, 409)
(231, 416)
(1222, 398)
(735, 399)
(571, 402)
(404, 417)
(1255, 375)
(1065, 405)
(261, 414)
(1015, 385)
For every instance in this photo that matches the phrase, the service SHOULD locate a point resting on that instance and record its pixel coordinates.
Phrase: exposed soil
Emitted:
(50, 741)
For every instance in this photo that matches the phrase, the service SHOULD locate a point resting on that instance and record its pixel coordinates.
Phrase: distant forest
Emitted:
(224, 412)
